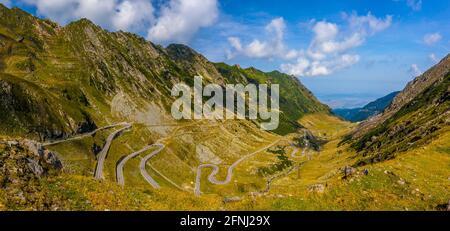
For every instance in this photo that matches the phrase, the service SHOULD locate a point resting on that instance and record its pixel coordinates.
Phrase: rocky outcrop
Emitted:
(231, 199)
(23, 164)
(42, 157)
(348, 171)
(317, 188)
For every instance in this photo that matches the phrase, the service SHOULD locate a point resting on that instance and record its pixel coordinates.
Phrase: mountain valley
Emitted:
(85, 124)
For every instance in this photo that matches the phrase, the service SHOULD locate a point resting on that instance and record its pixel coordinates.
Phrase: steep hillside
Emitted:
(85, 124)
(295, 99)
(97, 98)
(373, 108)
(417, 115)
(91, 77)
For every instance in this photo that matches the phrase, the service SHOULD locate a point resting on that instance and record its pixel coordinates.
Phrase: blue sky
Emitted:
(347, 52)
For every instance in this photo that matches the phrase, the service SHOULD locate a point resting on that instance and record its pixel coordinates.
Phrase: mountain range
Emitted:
(369, 110)
(86, 125)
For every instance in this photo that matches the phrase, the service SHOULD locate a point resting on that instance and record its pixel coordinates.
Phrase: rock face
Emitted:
(45, 155)
(348, 171)
(35, 167)
(39, 160)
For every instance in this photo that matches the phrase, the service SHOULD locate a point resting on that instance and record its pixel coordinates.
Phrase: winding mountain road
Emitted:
(143, 163)
(212, 176)
(119, 169)
(104, 152)
(84, 135)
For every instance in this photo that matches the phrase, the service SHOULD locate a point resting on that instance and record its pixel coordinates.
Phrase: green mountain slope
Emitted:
(81, 76)
(295, 99)
(418, 114)
(369, 110)
(57, 82)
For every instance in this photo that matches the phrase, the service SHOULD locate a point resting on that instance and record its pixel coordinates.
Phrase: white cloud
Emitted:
(334, 46)
(178, 20)
(258, 49)
(325, 31)
(329, 49)
(235, 42)
(414, 70)
(433, 58)
(133, 15)
(415, 5)
(181, 19)
(431, 39)
(273, 47)
(306, 67)
(369, 23)
(6, 2)
(130, 15)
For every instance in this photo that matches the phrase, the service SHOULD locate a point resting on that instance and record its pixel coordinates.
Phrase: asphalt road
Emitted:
(212, 176)
(104, 152)
(84, 135)
(119, 169)
(143, 163)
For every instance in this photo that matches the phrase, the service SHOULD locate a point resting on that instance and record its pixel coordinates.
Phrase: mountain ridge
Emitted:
(416, 116)
(111, 63)
(371, 109)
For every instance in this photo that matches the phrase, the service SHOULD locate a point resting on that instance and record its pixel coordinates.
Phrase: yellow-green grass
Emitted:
(77, 155)
(415, 180)
(326, 126)
(86, 193)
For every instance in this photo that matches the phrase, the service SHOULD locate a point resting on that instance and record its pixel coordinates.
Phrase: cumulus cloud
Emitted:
(130, 15)
(268, 48)
(431, 39)
(325, 40)
(133, 15)
(329, 50)
(177, 20)
(415, 70)
(307, 67)
(368, 23)
(180, 19)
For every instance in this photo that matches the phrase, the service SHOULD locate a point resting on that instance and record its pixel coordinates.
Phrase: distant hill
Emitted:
(371, 109)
